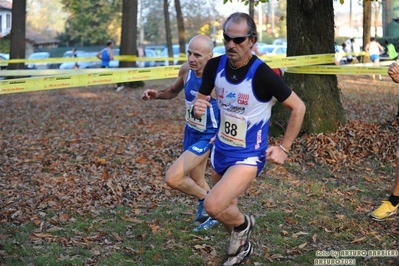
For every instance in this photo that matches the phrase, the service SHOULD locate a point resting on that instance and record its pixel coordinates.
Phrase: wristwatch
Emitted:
(192, 110)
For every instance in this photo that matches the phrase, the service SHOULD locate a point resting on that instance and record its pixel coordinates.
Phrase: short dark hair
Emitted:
(109, 43)
(238, 17)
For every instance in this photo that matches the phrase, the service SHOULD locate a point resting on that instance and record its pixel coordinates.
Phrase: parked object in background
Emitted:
(219, 50)
(156, 48)
(176, 54)
(147, 53)
(83, 64)
(69, 54)
(40, 65)
(4, 57)
(280, 42)
(270, 49)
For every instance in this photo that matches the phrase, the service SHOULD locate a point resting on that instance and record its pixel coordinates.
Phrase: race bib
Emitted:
(233, 129)
(198, 124)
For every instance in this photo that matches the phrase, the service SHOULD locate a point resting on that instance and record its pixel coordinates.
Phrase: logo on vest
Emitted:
(243, 99)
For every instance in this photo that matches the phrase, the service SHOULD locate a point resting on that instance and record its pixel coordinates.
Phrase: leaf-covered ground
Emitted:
(70, 152)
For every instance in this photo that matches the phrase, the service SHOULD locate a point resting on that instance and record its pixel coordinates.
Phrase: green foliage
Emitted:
(44, 18)
(93, 21)
(5, 45)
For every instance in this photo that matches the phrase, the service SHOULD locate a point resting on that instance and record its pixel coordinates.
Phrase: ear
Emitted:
(251, 41)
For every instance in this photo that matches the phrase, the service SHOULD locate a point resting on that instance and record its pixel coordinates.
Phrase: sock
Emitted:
(241, 227)
(394, 199)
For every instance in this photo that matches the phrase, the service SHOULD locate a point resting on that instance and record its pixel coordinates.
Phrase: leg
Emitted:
(221, 201)
(395, 190)
(177, 175)
(390, 206)
(221, 204)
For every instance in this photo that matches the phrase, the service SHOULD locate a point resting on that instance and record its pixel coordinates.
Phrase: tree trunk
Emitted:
(251, 10)
(167, 29)
(306, 35)
(387, 18)
(180, 29)
(366, 26)
(129, 31)
(18, 40)
(128, 38)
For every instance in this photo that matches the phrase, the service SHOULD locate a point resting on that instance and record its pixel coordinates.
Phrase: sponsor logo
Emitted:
(197, 149)
(243, 98)
(193, 92)
(233, 109)
(221, 95)
(231, 95)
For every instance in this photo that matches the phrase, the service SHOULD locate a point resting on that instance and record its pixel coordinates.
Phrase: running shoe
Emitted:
(384, 211)
(236, 260)
(119, 88)
(239, 240)
(208, 224)
(201, 215)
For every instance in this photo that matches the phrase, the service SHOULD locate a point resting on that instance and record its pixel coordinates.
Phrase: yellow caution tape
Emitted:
(334, 70)
(108, 76)
(57, 79)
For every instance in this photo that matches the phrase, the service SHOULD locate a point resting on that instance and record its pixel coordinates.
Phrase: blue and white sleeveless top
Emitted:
(244, 120)
(206, 124)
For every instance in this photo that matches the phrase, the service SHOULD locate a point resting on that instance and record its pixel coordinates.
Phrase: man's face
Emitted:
(236, 40)
(197, 55)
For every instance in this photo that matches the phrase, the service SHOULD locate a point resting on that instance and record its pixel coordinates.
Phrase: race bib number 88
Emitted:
(233, 129)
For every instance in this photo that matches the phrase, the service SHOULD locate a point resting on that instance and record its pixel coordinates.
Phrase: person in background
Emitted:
(374, 49)
(245, 88)
(391, 205)
(391, 51)
(187, 174)
(339, 55)
(140, 53)
(74, 54)
(106, 55)
(355, 48)
(347, 49)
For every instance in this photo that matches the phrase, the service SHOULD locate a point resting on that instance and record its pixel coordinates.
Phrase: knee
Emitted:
(211, 208)
(171, 180)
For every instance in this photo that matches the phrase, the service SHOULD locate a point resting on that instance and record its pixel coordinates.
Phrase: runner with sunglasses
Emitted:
(245, 88)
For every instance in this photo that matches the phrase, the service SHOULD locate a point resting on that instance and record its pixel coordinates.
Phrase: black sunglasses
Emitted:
(236, 40)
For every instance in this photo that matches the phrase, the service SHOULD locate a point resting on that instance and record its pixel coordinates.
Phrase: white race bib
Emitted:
(198, 124)
(233, 129)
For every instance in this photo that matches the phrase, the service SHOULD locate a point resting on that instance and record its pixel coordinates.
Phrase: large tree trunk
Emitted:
(129, 35)
(167, 29)
(387, 18)
(17, 42)
(180, 29)
(307, 36)
(366, 26)
(129, 31)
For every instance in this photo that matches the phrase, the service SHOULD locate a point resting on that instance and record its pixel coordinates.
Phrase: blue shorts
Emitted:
(197, 143)
(373, 57)
(221, 162)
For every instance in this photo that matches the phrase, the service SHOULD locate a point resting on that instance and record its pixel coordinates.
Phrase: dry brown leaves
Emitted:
(74, 151)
